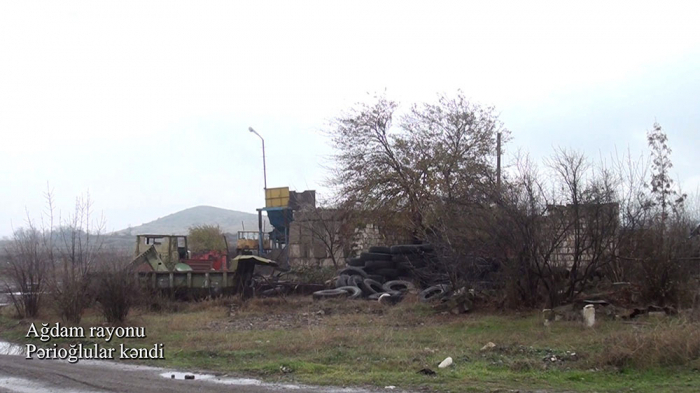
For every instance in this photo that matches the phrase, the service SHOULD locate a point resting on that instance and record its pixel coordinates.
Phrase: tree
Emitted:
(203, 238)
(661, 184)
(435, 152)
(663, 247)
(26, 269)
(77, 250)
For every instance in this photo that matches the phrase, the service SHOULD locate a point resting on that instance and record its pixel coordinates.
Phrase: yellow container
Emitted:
(277, 197)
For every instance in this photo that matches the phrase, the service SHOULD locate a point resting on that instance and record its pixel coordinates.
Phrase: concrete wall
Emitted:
(309, 227)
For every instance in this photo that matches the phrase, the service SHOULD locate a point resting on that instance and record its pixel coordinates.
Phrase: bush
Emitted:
(117, 291)
(313, 274)
(71, 295)
(206, 238)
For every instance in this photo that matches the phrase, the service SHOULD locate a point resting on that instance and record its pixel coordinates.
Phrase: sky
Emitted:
(145, 105)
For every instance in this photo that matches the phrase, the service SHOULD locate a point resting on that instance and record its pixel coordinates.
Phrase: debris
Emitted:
(172, 376)
(286, 369)
(446, 363)
(189, 376)
(426, 371)
(488, 346)
(547, 316)
(589, 315)
(390, 387)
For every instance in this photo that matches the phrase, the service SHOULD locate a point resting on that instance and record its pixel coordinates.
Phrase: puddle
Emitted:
(21, 385)
(177, 375)
(10, 349)
(13, 384)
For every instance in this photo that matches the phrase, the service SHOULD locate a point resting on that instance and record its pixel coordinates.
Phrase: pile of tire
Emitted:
(379, 270)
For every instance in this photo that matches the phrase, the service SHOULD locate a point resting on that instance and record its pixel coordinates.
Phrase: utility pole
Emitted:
(498, 163)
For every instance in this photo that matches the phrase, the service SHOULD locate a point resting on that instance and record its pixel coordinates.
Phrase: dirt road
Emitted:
(18, 374)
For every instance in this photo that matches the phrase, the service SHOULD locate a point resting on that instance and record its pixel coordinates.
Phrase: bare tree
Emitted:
(26, 269)
(77, 251)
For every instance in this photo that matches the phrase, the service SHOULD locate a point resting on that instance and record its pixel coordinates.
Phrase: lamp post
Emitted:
(260, 230)
(263, 147)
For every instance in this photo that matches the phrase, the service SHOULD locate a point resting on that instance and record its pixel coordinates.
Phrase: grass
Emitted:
(365, 344)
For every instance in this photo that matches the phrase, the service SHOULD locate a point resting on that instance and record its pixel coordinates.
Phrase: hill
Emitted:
(230, 221)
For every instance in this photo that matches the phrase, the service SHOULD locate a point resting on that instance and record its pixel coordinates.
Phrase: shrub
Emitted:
(117, 291)
(206, 238)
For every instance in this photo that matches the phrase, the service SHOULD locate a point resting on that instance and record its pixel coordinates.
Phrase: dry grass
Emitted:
(364, 343)
(673, 343)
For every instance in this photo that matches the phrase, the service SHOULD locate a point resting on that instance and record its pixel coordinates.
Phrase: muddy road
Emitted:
(21, 375)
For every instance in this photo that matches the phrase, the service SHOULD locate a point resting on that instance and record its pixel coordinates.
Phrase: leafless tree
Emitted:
(28, 261)
(80, 244)
(26, 269)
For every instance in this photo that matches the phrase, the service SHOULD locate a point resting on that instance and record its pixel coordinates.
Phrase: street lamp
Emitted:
(263, 147)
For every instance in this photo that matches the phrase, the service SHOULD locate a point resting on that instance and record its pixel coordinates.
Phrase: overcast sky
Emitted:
(147, 104)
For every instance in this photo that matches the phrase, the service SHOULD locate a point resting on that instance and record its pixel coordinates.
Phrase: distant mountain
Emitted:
(230, 221)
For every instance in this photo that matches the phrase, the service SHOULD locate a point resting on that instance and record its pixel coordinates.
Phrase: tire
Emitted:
(370, 286)
(394, 294)
(426, 247)
(398, 286)
(404, 266)
(356, 262)
(380, 250)
(408, 265)
(355, 281)
(406, 249)
(375, 277)
(434, 293)
(329, 294)
(390, 274)
(353, 291)
(341, 281)
(376, 265)
(369, 256)
(353, 271)
(398, 258)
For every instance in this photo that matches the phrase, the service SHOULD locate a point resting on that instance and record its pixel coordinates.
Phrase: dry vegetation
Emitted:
(365, 343)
